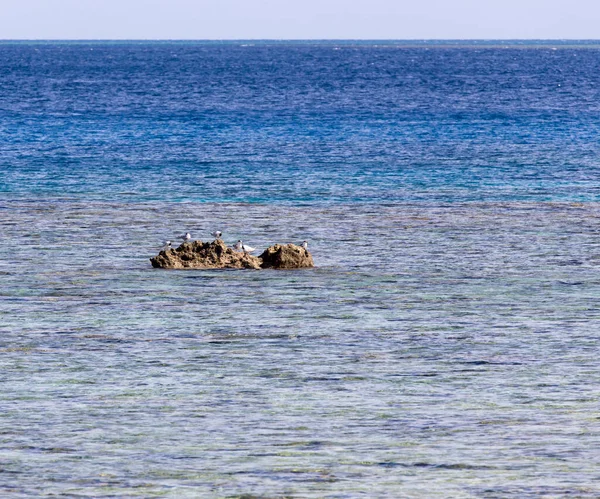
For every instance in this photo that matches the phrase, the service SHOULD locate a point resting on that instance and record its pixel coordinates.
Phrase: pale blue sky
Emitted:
(298, 19)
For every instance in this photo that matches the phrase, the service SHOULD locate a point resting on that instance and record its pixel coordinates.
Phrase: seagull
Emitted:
(305, 245)
(240, 246)
(186, 237)
(166, 245)
(217, 234)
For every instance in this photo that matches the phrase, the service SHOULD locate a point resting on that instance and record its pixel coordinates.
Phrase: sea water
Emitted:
(445, 345)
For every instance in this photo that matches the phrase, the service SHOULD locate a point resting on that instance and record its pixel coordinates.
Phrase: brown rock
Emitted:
(199, 255)
(288, 256)
(216, 255)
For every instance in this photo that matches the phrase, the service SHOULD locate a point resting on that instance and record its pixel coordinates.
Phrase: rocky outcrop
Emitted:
(217, 255)
(288, 256)
(199, 255)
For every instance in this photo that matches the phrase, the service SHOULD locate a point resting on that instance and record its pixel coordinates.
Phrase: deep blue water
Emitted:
(446, 344)
(299, 123)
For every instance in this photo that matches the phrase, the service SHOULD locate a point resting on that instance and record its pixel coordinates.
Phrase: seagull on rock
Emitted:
(166, 245)
(217, 234)
(187, 237)
(305, 245)
(240, 246)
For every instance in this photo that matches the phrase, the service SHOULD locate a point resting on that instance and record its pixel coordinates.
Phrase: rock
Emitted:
(288, 256)
(217, 255)
(199, 255)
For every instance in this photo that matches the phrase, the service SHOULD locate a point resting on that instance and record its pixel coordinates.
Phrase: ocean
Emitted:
(446, 345)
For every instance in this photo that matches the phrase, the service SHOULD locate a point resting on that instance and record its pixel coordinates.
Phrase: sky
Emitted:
(299, 19)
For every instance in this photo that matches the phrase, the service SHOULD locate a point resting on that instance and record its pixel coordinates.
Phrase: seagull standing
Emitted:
(186, 237)
(166, 245)
(240, 246)
(217, 234)
(305, 245)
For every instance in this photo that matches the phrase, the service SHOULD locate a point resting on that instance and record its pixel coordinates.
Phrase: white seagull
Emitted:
(186, 237)
(305, 245)
(217, 234)
(166, 244)
(240, 246)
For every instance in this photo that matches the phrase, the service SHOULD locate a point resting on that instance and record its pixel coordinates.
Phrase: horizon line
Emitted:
(421, 40)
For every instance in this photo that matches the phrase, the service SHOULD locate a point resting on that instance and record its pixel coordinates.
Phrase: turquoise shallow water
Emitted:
(445, 345)
(435, 352)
